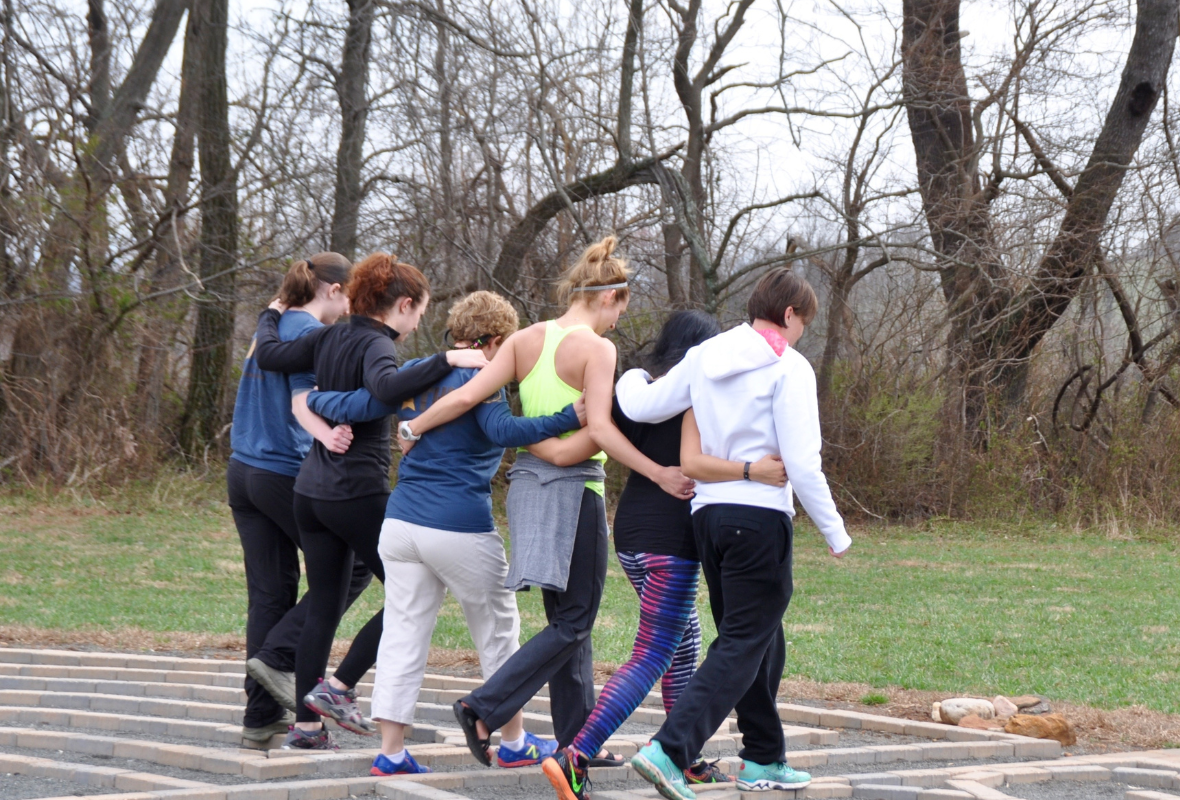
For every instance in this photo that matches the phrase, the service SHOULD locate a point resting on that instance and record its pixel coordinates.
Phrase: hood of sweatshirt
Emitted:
(739, 350)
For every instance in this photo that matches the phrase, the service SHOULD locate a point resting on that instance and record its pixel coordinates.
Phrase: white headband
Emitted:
(622, 285)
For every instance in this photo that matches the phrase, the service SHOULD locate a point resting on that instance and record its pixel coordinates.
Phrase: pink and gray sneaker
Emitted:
(299, 739)
(339, 705)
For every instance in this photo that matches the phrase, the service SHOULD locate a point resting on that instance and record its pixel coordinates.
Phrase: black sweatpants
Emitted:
(262, 503)
(561, 653)
(746, 558)
(331, 531)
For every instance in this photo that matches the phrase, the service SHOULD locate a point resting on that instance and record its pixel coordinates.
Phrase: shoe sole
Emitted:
(260, 737)
(770, 786)
(471, 734)
(653, 775)
(556, 776)
(528, 762)
(287, 701)
(312, 703)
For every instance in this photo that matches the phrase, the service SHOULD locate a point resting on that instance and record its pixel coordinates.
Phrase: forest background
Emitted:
(985, 195)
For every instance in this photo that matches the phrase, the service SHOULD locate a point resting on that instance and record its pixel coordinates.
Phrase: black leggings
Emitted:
(331, 531)
(262, 503)
(560, 654)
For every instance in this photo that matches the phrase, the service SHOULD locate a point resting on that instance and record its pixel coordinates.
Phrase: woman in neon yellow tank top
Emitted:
(556, 362)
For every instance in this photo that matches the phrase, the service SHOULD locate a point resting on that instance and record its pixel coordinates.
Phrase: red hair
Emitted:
(379, 280)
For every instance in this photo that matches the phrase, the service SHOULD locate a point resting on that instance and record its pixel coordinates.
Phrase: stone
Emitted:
(1048, 726)
(1040, 708)
(956, 708)
(978, 723)
(1004, 706)
(936, 712)
(1025, 701)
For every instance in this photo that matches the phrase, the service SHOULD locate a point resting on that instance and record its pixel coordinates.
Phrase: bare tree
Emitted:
(212, 340)
(995, 323)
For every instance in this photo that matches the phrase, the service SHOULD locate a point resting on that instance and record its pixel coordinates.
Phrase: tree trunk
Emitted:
(213, 338)
(10, 280)
(674, 266)
(520, 238)
(62, 240)
(165, 316)
(100, 64)
(993, 331)
(351, 89)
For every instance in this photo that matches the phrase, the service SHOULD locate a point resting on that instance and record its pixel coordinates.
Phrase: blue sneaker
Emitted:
(653, 764)
(535, 751)
(383, 767)
(765, 777)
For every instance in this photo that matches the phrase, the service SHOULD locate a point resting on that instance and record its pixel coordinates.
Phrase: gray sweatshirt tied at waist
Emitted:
(544, 502)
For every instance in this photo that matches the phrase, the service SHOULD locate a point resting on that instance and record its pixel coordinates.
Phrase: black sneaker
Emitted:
(280, 685)
(264, 733)
(299, 739)
(567, 771)
(706, 772)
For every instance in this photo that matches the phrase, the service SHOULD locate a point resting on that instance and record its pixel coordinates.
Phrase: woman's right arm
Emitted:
(274, 355)
(710, 469)
(565, 452)
(491, 379)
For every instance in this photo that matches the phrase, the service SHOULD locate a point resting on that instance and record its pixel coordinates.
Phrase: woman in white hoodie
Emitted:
(752, 395)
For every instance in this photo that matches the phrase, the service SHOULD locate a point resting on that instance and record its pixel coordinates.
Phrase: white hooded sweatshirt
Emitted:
(748, 403)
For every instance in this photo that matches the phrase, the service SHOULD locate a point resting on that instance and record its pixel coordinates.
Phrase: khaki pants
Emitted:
(421, 565)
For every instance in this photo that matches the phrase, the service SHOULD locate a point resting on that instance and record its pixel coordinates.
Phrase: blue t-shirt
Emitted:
(446, 480)
(265, 434)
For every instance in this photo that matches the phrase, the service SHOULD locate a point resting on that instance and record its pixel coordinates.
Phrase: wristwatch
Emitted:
(404, 432)
(745, 469)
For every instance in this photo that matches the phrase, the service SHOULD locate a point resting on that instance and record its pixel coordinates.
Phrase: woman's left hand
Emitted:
(673, 481)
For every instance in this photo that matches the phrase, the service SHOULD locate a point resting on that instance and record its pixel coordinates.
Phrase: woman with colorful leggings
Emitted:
(656, 548)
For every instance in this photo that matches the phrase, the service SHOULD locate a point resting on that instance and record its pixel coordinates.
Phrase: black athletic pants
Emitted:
(262, 503)
(331, 531)
(746, 558)
(561, 653)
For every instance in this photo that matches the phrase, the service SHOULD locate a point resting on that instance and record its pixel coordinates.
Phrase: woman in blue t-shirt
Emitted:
(439, 534)
(269, 442)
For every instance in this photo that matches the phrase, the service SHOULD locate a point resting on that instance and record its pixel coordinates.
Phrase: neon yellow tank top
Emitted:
(543, 392)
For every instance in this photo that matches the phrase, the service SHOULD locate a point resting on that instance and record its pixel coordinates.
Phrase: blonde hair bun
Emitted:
(597, 266)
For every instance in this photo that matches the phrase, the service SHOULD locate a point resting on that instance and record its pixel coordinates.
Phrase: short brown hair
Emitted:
(303, 279)
(778, 290)
(379, 280)
(482, 314)
(597, 266)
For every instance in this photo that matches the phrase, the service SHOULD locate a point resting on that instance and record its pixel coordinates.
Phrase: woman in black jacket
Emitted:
(340, 498)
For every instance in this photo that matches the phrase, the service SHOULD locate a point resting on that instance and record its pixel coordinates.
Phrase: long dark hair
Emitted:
(683, 331)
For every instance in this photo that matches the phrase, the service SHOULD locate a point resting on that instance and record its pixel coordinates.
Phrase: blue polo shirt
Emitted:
(264, 433)
(446, 480)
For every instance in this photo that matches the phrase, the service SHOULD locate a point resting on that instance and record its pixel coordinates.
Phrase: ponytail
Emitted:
(304, 277)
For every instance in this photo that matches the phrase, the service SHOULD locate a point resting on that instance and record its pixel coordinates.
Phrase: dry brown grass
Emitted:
(1098, 730)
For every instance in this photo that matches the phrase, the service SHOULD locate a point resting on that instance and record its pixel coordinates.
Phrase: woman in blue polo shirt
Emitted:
(439, 534)
(269, 444)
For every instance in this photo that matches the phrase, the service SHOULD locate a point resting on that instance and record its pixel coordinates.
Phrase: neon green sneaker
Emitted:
(653, 764)
(762, 778)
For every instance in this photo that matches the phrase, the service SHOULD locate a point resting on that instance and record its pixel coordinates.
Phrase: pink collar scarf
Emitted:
(775, 340)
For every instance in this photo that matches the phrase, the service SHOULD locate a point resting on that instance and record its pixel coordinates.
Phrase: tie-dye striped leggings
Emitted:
(667, 644)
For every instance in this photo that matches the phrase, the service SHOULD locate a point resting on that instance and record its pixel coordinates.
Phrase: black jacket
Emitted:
(347, 357)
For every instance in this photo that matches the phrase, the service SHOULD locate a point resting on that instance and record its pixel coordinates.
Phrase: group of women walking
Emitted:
(312, 441)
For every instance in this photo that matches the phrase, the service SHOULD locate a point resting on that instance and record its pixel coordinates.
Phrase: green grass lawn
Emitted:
(1078, 616)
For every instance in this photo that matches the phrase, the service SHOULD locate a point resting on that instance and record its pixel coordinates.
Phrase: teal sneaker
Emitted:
(762, 778)
(654, 765)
